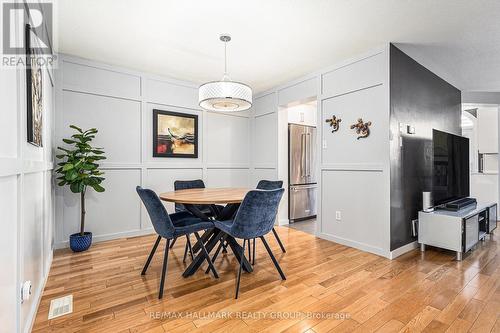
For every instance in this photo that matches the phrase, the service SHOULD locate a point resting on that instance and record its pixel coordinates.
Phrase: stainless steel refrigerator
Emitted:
(301, 172)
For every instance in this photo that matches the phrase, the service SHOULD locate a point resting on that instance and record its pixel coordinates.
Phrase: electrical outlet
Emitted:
(414, 228)
(25, 291)
(338, 215)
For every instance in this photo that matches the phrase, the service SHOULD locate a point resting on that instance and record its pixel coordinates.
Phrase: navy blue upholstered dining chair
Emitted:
(204, 209)
(254, 219)
(165, 228)
(270, 185)
(186, 185)
(180, 209)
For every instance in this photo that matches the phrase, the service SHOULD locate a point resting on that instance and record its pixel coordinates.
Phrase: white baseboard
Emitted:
(355, 244)
(403, 249)
(283, 221)
(37, 295)
(100, 238)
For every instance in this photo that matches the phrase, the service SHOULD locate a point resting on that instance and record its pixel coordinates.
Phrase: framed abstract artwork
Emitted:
(175, 134)
(34, 88)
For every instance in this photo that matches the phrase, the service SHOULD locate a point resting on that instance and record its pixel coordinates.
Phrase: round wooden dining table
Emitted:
(206, 196)
(191, 199)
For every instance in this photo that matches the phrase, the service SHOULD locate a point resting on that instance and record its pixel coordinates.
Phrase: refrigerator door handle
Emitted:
(303, 187)
(302, 156)
(308, 154)
(306, 148)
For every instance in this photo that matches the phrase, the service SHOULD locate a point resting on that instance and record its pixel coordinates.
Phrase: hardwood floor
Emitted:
(329, 288)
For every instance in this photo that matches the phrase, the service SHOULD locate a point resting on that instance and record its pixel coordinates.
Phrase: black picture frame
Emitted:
(31, 137)
(156, 153)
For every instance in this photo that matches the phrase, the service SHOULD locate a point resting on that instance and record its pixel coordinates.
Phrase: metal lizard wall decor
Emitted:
(334, 123)
(362, 128)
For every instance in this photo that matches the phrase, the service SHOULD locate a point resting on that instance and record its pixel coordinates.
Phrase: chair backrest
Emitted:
(185, 185)
(269, 184)
(159, 217)
(257, 213)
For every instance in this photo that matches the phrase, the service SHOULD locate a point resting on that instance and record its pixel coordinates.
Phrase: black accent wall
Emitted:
(425, 101)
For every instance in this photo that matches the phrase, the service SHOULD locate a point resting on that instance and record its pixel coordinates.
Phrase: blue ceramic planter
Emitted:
(79, 243)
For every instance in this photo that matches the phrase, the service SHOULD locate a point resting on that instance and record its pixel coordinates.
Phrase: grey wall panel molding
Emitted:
(421, 99)
(119, 102)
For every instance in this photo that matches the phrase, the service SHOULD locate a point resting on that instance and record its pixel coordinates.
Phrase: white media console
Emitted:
(459, 230)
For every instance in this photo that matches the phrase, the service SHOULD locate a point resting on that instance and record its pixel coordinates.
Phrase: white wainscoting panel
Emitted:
(227, 178)
(48, 220)
(8, 124)
(298, 92)
(342, 146)
(358, 75)
(8, 253)
(31, 235)
(26, 197)
(168, 93)
(118, 122)
(117, 210)
(87, 78)
(227, 140)
(360, 197)
(264, 143)
(265, 104)
(263, 174)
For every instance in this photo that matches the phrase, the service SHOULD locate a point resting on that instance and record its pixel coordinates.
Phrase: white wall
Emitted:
(119, 102)
(487, 130)
(484, 186)
(26, 200)
(355, 178)
(303, 114)
(353, 174)
(264, 138)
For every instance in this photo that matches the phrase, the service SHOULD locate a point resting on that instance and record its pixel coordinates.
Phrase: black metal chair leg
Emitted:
(279, 241)
(151, 254)
(239, 270)
(185, 252)
(249, 251)
(273, 258)
(253, 254)
(215, 255)
(206, 255)
(188, 242)
(164, 269)
(173, 242)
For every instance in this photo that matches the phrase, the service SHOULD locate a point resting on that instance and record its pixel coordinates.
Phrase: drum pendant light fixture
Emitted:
(225, 95)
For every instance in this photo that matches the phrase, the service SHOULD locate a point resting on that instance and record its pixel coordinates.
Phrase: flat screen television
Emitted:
(450, 167)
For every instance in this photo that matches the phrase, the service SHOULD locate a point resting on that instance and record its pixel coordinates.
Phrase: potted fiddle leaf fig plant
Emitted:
(79, 169)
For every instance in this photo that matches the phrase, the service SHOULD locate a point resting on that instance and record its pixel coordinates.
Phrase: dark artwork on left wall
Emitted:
(34, 101)
(175, 134)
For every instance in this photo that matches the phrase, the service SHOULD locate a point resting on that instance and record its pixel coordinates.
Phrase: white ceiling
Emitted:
(275, 41)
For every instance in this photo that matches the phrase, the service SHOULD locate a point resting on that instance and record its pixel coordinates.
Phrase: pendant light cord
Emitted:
(225, 60)
(225, 39)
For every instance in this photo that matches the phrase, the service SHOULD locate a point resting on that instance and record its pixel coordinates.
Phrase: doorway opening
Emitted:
(298, 163)
(480, 123)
